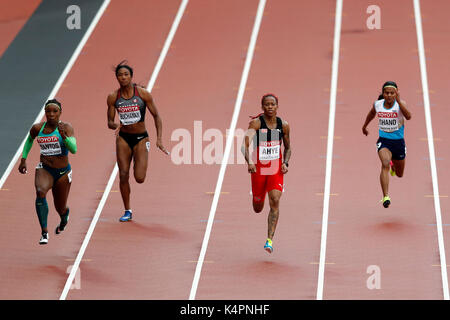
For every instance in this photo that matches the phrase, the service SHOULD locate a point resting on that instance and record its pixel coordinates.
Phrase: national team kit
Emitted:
(268, 175)
(391, 129)
(131, 111)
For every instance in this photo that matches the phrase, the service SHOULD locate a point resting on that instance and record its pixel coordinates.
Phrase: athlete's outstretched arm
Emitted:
(111, 113)
(287, 147)
(148, 99)
(372, 113)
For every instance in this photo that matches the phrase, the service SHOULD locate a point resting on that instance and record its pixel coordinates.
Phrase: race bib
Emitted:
(49, 146)
(269, 150)
(129, 115)
(388, 121)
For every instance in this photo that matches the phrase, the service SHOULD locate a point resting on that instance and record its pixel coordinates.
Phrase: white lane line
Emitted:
(326, 198)
(426, 100)
(150, 85)
(56, 88)
(223, 167)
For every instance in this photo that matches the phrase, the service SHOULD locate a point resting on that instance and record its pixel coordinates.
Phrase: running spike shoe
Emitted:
(44, 238)
(391, 170)
(268, 246)
(126, 217)
(386, 201)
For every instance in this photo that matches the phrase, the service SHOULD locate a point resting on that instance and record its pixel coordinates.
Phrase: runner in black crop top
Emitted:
(132, 142)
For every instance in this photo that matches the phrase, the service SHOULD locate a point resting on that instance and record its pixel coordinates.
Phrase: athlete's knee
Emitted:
(124, 176)
(385, 164)
(257, 209)
(274, 202)
(258, 206)
(140, 179)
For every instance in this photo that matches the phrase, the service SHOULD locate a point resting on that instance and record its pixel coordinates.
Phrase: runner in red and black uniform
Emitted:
(268, 132)
(132, 142)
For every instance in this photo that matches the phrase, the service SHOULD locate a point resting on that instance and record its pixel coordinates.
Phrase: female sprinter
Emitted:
(132, 142)
(53, 171)
(391, 111)
(268, 132)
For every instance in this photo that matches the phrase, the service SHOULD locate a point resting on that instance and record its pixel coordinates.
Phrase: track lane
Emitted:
(153, 257)
(292, 35)
(36, 272)
(398, 240)
(436, 38)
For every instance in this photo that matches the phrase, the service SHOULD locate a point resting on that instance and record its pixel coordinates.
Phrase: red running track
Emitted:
(436, 31)
(154, 257)
(399, 240)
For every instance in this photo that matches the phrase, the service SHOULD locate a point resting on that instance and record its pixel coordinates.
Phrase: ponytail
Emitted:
(257, 116)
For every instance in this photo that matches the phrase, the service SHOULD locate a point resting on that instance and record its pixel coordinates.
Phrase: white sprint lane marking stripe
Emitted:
(326, 198)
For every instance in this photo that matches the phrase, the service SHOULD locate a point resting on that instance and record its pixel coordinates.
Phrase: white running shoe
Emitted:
(44, 238)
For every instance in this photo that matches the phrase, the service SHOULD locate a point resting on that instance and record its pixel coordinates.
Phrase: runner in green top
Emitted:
(56, 139)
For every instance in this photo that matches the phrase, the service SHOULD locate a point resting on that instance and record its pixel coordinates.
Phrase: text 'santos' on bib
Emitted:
(49, 146)
(129, 115)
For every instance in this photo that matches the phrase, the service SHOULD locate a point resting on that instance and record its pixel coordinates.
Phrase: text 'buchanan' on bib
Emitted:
(129, 115)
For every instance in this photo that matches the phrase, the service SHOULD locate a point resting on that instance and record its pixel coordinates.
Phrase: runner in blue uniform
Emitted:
(132, 142)
(56, 139)
(391, 112)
